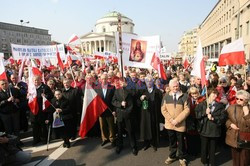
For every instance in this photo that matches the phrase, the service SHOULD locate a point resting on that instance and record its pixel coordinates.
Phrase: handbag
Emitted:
(243, 139)
(57, 121)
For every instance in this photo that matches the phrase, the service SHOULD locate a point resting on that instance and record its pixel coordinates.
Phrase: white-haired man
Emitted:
(175, 110)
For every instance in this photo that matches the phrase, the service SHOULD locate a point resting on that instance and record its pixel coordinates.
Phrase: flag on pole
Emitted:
(46, 103)
(73, 38)
(93, 107)
(185, 64)
(199, 65)
(35, 69)
(68, 61)
(157, 65)
(20, 72)
(32, 94)
(59, 60)
(3, 75)
(233, 54)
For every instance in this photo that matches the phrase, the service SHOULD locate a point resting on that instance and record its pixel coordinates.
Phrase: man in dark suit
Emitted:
(123, 102)
(9, 109)
(23, 105)
(40, 132)
(107, 126)
(74, 97)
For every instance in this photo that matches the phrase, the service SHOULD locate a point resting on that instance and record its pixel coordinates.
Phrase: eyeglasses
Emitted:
(239, 99)
(223, 82)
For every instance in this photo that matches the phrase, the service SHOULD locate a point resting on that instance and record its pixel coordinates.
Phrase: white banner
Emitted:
(138, 51)
(37, 52)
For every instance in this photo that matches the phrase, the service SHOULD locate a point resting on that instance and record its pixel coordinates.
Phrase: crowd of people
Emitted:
(138, 106)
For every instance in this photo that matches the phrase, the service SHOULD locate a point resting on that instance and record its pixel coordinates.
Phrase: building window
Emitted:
(229, 28)
(103, 29)
(247, 29)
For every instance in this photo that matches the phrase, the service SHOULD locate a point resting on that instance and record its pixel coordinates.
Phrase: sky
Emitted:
(167, 18)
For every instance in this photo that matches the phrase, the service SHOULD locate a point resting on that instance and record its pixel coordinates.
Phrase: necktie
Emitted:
(175, 100)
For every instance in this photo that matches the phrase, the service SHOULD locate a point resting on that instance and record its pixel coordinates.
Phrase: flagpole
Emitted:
(72, 75)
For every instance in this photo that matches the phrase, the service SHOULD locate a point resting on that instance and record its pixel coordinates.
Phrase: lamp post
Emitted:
(238, 23)
(22, 24)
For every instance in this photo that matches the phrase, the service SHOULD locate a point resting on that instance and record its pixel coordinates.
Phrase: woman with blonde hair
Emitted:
(192, 134)
(238, 124)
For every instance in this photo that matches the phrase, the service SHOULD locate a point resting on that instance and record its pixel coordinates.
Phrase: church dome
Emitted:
(108, 23)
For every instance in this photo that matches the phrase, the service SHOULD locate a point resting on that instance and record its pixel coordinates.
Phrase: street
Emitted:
(89, 152)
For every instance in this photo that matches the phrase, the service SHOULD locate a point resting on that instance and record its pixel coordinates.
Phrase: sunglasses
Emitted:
(239, 99)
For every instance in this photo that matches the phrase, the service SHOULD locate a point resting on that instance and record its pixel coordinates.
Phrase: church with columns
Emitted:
(102, 38)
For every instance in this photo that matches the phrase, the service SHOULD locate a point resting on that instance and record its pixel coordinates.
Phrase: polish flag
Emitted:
(199, 65)
(32, 94)
(73, 38)
(3, 75)
(35, 69)
(157, 65)
(20, 72)
(232, 54)
(186, 64)
(59, 60)
(68, 60)
(93, 107)
(46, 103)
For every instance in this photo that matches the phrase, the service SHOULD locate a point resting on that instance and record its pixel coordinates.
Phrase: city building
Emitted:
(103, 37)
(188, 43)
(20, 34)
(227, 21)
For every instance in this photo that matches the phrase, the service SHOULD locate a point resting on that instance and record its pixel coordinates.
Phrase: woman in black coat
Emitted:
(60, 105)
(210, 120)
(150, 104)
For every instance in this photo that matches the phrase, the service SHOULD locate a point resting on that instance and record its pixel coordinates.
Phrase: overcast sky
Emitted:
(167, 18)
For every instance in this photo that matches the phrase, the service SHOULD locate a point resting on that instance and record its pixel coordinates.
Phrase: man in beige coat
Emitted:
(175, 110)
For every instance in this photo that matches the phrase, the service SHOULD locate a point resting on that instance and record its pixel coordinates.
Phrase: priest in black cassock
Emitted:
(150, 104)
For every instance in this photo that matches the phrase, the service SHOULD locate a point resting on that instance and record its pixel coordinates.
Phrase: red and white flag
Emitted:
(59, 60)
(157, 65)
(20, 72)
(3, 75)
(93, 107)
(35, 69)
(185, 64)
(32, 94)
(233, 54)
(199, 65)
(68, 61)
(46, 103)
(73, 38)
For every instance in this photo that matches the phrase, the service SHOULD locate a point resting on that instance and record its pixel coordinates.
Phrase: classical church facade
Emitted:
(103, 37)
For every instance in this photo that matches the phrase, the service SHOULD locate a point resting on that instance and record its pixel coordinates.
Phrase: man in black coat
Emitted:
(107, 126)
(40, 131)
(23, 105)
(9, 109)
(74, 97)
(123, 102)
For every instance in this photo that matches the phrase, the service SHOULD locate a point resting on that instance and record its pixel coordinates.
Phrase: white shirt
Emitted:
(150, 90)
(178, 94)
(104, 90)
